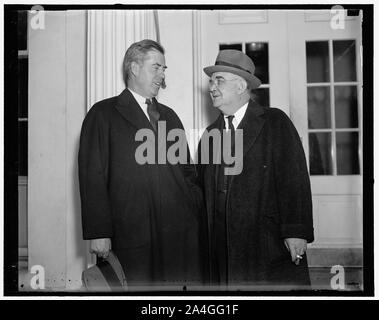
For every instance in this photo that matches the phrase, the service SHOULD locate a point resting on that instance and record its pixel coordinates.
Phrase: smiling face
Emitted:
(224, 88)
(149, 74)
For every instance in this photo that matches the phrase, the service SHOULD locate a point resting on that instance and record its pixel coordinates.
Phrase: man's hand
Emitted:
(100, 247)
(296, 247)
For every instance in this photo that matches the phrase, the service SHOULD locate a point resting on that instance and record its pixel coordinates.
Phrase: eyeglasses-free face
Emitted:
(150, 74)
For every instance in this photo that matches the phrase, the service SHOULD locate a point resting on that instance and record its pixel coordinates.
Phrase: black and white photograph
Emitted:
(188, 150)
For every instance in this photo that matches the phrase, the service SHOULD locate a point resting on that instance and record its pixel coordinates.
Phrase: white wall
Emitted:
(177, 39)
(57, 90)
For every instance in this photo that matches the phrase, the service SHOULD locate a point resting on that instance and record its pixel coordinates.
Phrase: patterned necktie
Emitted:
(153, 113)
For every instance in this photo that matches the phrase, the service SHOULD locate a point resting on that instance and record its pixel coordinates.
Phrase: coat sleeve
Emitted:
(292, 180)
(189, 170)
(93, 177)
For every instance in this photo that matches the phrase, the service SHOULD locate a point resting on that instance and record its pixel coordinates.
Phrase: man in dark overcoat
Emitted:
(148, 214)
(260, 217)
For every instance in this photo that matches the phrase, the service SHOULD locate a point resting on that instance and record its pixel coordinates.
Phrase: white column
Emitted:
(110, 33)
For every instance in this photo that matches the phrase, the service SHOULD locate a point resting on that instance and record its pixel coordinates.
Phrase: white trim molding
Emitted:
(198, 121)
(242, 16)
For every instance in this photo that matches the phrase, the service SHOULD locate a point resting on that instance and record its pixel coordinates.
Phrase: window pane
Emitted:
(22, 30)
(235, 46)
(22, 88)
(320, 156)
(346, 106)
(347, 153)
(319, 107)
(261, 96)
(344, 60)
(258, 52)
(23, 148)
(317, 61)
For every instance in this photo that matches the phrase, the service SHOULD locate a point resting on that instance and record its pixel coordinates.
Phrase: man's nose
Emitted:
(212, 86)
(161, 72)
(161, 75)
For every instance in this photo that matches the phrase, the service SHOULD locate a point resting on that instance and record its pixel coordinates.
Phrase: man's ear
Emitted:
(242, 87)
(134, 67)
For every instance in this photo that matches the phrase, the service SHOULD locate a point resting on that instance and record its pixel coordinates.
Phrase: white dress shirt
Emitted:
(237, 117)
(141, 101)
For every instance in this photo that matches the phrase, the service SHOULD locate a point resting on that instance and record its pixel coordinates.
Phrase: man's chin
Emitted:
(155, 93)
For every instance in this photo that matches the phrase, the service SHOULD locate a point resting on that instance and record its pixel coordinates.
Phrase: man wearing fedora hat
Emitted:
(259, 220)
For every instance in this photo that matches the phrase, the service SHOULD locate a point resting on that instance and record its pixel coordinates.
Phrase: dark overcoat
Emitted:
(268, 201)
(151, 212)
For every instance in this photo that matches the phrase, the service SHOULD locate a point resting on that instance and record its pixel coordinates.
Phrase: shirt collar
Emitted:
(141, 100)
(238, 115)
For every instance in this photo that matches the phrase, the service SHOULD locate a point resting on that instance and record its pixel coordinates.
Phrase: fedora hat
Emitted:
(107, 275)
(236, 62)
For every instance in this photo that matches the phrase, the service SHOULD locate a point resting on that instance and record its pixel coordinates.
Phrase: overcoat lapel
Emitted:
(131, 111)
(251, 124)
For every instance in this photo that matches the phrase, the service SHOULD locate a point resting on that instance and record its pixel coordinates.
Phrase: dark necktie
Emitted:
(223, 179)
(153, 113)
(233, 134)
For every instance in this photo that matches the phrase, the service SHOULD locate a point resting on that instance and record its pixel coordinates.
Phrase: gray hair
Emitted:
(136, 53)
